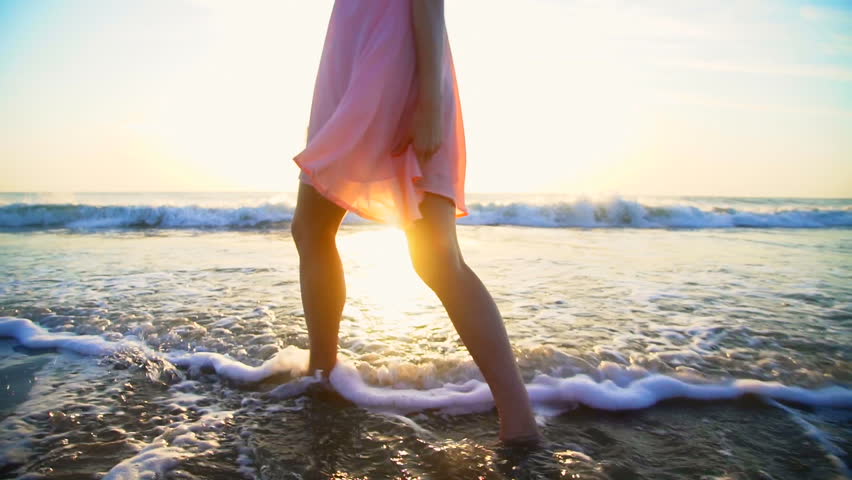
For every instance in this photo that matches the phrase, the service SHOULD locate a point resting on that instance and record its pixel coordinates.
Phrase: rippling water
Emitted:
(649, 353)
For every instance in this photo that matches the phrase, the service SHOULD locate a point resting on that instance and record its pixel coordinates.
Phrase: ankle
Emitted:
(521, 428)
(522, 439)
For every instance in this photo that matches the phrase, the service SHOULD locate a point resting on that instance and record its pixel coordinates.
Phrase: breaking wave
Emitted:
(583, 213)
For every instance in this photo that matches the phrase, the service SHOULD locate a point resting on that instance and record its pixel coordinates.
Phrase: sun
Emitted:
(380, 279)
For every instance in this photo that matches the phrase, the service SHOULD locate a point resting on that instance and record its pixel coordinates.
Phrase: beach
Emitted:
(659, 337)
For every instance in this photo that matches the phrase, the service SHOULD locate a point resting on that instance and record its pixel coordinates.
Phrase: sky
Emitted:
(586, 97)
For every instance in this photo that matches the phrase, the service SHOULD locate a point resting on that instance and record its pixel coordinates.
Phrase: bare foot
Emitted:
(298, 387)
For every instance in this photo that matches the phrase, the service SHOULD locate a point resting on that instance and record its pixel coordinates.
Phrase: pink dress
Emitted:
(365, 88)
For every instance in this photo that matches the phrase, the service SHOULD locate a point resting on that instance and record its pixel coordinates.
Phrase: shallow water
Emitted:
(143, 310)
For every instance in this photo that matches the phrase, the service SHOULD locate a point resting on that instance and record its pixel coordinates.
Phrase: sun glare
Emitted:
(380, 275)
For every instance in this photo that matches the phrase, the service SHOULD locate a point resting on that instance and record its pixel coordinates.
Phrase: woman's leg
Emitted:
(314, 227)
(437, 259)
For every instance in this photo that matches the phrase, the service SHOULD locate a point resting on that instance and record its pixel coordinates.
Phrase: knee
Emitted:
(309, 237)
(438, 263)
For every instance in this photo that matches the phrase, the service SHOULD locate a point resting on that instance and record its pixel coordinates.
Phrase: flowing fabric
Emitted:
(365, 89)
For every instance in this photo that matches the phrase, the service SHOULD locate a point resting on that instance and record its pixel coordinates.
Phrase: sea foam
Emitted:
(546, 392)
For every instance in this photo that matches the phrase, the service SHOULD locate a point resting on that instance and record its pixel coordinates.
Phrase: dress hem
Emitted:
(460, 211)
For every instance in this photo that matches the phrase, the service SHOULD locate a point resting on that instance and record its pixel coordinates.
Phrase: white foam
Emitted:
(31, 335)
(178, 442)
(152, 461)
(582, 212)
(471, 396)
(408, 422)
(290, 360)
(832, 451)
(619, 212)
(613, 387)
(625, 393)
(647, 391)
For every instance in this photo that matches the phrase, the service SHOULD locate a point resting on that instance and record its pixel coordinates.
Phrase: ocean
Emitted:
(161, 335)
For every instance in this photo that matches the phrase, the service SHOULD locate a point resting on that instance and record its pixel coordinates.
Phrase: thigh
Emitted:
(316, 213)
